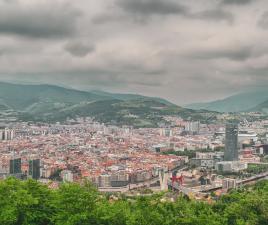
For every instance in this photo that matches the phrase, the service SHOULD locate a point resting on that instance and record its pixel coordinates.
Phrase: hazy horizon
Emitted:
(96, 89)
(183, 51)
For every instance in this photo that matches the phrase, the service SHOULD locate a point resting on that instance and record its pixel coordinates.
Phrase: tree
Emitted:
(75, 204)
(32, 203)
(25, 202)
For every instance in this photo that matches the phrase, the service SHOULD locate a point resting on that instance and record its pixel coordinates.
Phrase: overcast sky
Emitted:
(185, 51)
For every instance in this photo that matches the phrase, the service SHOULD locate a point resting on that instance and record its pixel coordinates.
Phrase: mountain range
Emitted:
(250, 101)
(49, 103)
(263, 107)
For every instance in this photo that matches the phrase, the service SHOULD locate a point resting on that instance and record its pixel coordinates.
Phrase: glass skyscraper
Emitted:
(15, 166)
(34, 168)
(231, 142)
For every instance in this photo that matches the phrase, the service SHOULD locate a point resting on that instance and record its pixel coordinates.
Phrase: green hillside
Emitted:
(263, 108)
(20, 97)
(126, 97)
(138, 113)
(236, 103)
(47, 103)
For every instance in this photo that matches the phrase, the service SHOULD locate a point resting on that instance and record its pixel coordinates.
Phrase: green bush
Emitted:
(30, 202)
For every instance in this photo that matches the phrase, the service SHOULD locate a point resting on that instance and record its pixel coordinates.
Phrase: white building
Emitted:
(166, 132)
(247, 136)
(228, 183)
(6, 134)
(231, 166)
(192, 127)
(105, 180)
(67, 176)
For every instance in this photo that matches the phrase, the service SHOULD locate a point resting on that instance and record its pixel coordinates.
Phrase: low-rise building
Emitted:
(228, 183)
(230, 166)
(67, 176)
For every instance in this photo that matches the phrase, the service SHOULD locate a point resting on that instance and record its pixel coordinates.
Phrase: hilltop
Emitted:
(49, 103)
(241, 102)
(263, 108)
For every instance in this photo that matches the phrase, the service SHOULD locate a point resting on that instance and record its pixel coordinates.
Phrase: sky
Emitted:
(184, 51)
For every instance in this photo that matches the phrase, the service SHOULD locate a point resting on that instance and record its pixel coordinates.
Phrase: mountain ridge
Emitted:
(50, 103)
(262, 108)
(241, 102)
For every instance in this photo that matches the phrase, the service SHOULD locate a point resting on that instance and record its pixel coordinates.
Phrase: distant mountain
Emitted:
(263, 108)
(21, 97)
(48, 103)
(236, 103)
(126, 97)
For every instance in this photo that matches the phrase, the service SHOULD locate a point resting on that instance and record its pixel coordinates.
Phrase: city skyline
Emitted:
(177, 50)
(133, 112)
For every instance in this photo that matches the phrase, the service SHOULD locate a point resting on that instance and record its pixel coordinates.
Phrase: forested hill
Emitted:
(32, 203)
(242, 102)
(48, 103)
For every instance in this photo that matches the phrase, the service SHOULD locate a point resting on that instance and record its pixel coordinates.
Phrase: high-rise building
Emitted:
(231, 142)
(15, 166)
(34, 169)
(6, 134)
(167, 132)
(192, 127)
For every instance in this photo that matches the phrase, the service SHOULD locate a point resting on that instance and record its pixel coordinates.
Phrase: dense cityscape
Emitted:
(133, 112)
(188, 156)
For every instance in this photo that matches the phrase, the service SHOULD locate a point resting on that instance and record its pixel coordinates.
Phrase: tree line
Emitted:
(32, 203)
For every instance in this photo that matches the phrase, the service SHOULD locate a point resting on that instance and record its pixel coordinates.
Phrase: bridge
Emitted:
(208, 188)
(163, 178)
(166, 182)
(185, 190)
(128, 187)
(253, 178)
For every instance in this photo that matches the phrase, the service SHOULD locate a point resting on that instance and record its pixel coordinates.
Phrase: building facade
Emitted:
(231, 142)
(34, 169)
(15, 166)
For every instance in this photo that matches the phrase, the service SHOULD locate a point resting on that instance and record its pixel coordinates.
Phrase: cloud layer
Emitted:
(185, 51)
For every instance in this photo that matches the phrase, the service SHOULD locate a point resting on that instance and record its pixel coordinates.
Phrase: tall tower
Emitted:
(231, 142)
(34, 169)
(15, 166)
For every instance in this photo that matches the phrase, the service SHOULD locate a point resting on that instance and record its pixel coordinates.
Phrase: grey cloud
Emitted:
(235, 53)
(91, 78)
(182, 43)
(263, 21)
(10, 1)
(103, 18)
(151, 7)
(79, 49)
(113, 78)
(214, 14)
(108, 17)
(38, 20)
(255, 72)
(236, 2)
(145, 8)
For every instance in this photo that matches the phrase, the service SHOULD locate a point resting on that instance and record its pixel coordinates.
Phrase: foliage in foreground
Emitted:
(29, 202)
